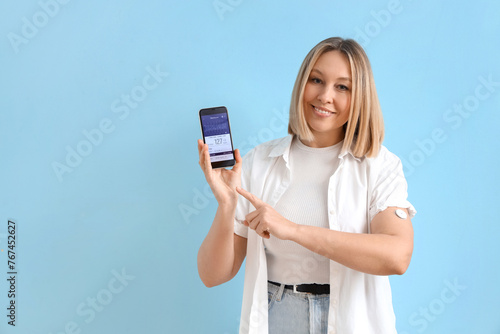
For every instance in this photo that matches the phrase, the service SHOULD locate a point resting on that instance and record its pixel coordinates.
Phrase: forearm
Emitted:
(216, 254)
(378, 254)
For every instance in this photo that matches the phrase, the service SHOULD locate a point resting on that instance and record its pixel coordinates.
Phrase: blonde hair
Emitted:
(364, 130)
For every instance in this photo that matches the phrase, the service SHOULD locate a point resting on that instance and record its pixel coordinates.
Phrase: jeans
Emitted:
(296, 313)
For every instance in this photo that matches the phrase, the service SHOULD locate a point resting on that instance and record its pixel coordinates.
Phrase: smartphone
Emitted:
(216, 133)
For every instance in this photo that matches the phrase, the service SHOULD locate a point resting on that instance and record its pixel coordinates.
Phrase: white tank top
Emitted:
(305, 202)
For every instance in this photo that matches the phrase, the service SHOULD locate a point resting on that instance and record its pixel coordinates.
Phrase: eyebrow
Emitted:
(339, 78)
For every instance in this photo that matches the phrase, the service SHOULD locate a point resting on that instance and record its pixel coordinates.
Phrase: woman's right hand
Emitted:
(223, 182)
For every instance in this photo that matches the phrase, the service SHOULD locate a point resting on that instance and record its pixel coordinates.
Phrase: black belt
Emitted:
(315, 289)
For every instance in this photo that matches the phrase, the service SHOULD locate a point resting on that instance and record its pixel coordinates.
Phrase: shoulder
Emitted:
(273, 148)
(381, 164)
(261, 159)
(384, 157)
(384, 168)
(276, 146)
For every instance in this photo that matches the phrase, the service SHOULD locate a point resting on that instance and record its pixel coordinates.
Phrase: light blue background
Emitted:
(120, 209)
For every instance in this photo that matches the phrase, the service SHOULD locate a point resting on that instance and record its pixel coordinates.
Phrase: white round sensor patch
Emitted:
(401, 214)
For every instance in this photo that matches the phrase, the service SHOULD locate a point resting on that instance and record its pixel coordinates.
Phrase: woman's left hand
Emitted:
(265, 220)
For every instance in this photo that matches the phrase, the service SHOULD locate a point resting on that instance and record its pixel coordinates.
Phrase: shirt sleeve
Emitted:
(240, 229)
(390, 188)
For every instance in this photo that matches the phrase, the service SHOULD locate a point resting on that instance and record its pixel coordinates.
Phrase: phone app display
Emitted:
(217, 136)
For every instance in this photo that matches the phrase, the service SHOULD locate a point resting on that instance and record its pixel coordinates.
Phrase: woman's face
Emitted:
(327, 98)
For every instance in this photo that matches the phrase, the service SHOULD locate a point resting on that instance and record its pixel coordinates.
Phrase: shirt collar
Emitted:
(343, 153)
(282, 148)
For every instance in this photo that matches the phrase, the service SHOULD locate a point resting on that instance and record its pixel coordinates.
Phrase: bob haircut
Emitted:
(364, 129)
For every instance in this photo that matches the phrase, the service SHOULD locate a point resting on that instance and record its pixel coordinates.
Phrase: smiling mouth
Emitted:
(323, 111)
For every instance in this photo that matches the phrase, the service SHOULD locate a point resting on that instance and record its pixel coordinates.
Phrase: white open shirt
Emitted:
(358, 190)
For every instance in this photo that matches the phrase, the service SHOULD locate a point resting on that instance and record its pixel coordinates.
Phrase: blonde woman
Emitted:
(321, 215)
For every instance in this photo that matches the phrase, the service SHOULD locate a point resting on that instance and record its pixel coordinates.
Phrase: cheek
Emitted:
(345, 107)
(308, 94)
(345, 103)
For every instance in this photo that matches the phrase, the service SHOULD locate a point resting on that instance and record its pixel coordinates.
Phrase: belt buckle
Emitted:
(296, 291)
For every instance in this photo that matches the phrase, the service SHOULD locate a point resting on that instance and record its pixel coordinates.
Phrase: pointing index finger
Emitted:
(256, 202)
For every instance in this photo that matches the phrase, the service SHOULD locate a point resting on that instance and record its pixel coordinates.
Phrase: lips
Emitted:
(322, 111)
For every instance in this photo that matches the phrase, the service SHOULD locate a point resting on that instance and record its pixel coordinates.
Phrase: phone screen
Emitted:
(217, 134)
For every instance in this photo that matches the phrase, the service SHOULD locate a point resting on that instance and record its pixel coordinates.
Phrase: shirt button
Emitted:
(332, 212)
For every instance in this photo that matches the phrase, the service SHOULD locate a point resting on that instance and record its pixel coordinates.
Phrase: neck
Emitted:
(325, 140)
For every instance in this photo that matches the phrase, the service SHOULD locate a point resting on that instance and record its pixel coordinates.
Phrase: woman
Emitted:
(321, 216)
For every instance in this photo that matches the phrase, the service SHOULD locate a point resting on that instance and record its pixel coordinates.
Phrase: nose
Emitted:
(326, 95)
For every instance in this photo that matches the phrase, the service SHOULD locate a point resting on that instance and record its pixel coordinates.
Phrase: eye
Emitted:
(315, 80)
(343, 87)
